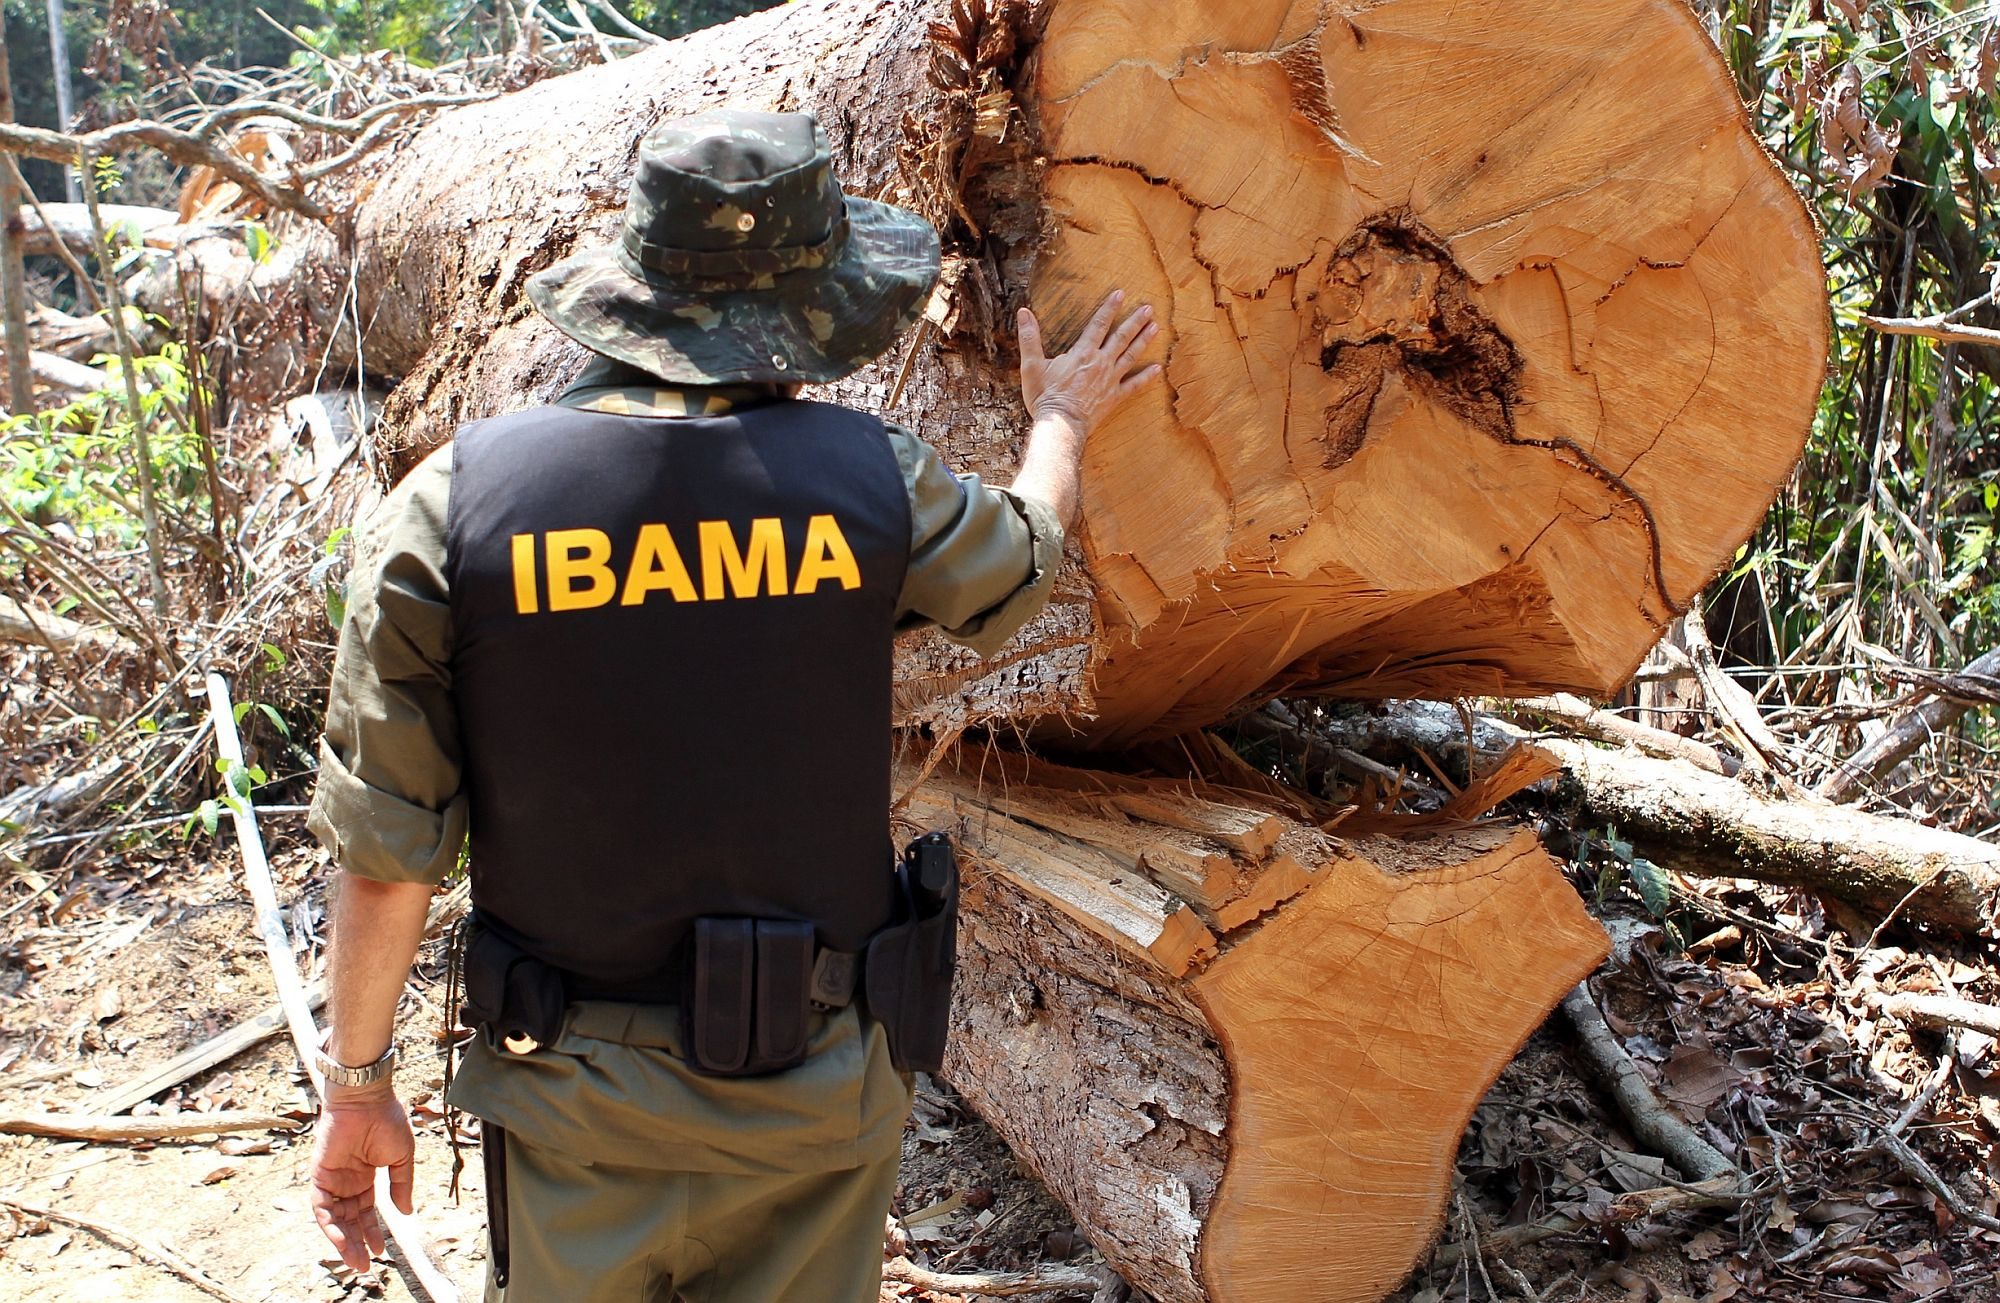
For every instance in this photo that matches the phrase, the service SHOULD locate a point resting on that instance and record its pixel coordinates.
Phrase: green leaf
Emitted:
(274, 656)
(238, 711)
(277, 721)
(334, 540)
(1992, 495)
(208, 814)
(1654, 889)
(258, 240)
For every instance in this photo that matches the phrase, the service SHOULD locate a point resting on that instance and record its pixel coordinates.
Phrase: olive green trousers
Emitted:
(598, 1233)
(632, 1179)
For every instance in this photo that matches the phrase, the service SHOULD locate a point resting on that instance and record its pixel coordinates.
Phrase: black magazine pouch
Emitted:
(749, 1004)
(910, 964)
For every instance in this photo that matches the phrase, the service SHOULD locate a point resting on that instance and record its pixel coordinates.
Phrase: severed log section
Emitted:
(1240, 1051)
(1490, 330)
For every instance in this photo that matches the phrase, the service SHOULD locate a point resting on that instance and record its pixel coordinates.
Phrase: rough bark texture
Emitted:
(1707, 825)
(1490, 329)
(1272, 1113)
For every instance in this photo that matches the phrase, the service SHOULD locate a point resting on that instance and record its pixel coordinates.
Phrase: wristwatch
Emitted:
(339, 1074)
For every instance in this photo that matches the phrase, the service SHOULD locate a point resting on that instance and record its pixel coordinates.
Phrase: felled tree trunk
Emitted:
(1490, 329)
(1241, 1052)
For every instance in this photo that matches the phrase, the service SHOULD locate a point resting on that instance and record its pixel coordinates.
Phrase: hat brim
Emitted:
(805, 327)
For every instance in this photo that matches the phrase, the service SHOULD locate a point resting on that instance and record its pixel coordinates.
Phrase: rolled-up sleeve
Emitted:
(388, 804)
(982, 560)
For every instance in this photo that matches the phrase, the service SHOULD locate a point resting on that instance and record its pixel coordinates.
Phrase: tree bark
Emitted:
(13, 274)
(1490, 331)
(1238, 1103)
(1706, 825)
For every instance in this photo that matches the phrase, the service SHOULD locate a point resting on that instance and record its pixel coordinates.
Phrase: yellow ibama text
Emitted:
(579, 569)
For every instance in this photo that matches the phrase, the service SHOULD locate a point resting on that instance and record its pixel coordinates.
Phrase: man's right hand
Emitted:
(1098, 371)
(1070, 393)
(359, 1133)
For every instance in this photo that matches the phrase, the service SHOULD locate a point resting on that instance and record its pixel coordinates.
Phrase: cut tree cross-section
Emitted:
(1492, 332)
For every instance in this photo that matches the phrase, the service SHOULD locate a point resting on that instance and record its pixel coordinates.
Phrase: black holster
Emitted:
(513, 997)
(910, 964)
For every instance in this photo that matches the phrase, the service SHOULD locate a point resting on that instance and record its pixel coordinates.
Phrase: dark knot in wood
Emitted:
(1390, 298)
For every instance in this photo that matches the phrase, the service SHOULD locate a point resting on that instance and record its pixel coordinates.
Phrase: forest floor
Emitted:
(1758, 1033)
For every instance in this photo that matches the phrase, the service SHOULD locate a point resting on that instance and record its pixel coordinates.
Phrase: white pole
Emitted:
(285, 971)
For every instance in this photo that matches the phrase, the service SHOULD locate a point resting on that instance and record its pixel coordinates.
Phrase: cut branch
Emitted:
(82, 1126)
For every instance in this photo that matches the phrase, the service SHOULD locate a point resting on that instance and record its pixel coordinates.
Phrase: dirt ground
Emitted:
(131, 977)
(1752, 1033)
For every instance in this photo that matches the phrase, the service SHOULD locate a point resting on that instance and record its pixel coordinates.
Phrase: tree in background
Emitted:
(131, 58)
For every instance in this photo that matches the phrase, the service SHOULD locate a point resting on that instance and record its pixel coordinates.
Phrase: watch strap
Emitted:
(339, 1074)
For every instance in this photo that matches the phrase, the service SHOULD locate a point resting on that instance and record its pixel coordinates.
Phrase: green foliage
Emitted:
(75, 464)
(1885, 113)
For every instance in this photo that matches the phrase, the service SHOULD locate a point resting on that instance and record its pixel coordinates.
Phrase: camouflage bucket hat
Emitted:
(742, 260)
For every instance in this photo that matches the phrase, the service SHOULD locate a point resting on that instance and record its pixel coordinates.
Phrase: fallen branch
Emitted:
(1723, 1192)
(146, 1249)
(195, 149)
(1652, 1123)
(1734, 708)
(1907, 732)
(1580, 717)
(1938, 328)
(1704, 825)
(51, 227)
(90, 1126)
(284, 972)
(999, 1284)
(217, 1049)
(1941, 1011)
(1913, 1163)
(58, 372)
(20, 622)
(177, 146)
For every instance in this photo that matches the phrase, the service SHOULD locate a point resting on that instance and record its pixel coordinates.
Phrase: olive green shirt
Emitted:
(388, 802)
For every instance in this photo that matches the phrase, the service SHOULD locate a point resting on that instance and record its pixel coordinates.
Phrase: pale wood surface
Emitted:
(1274, 1114)
(1363, 1023)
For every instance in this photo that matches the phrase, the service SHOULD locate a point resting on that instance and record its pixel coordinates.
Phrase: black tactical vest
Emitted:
(672, 663)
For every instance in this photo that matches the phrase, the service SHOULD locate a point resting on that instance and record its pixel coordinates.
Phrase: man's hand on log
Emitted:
(1070, 393)
(1099, 370)
(359, 1132)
